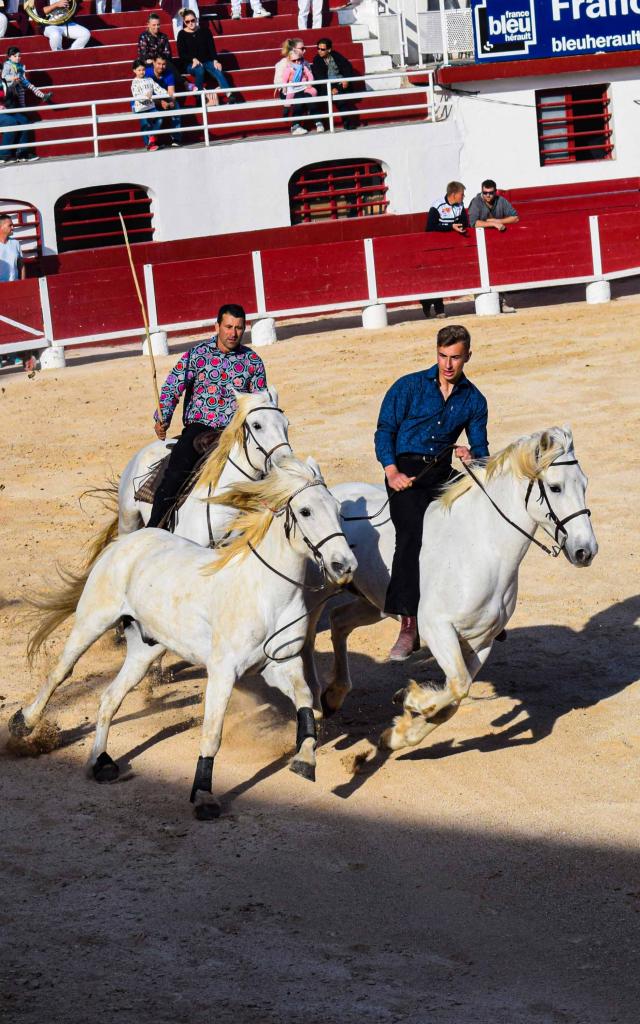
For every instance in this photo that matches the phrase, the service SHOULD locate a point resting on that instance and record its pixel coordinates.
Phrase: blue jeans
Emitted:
(18, 138)
(208, 66)
(149, 126)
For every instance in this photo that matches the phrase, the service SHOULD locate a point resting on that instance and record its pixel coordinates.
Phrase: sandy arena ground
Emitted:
(489, 876)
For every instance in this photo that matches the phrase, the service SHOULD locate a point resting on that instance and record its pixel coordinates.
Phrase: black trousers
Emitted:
(407, 509)
(438, 306)
(184, 458)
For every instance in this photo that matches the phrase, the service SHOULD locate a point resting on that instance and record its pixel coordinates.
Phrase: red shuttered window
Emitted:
(574, 124)
(89, 218)
(336, 190)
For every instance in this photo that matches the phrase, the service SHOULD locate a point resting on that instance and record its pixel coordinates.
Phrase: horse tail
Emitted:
(51, 608)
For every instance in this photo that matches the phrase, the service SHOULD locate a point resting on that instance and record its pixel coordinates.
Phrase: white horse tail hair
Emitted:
(50, 608)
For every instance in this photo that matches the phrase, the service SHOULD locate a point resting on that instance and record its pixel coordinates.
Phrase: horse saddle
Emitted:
(145, 487)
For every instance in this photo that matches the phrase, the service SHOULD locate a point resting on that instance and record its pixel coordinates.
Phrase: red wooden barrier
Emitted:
(195, 289)
(619, 241)
(20, 301)
(546, 250)
(316, 275)
(93, 302)
(426, 263)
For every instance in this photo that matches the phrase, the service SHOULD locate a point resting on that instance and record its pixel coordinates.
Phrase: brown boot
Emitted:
(407, 636)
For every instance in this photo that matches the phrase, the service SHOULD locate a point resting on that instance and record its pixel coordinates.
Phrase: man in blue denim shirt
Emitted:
(423, 415)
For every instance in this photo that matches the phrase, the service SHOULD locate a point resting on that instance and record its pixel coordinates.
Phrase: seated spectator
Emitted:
(296, 76)
(490, 210)
(278, 71)
(12, 265)
(446, 214)
(4, 21)
(257, 10)
(56, 33)
(153, 43)
(11, 117)
(197, 53)
(9, 8)
(176, 8)
(331, 66)
(14, 74)
(162, 76)
(145, 92)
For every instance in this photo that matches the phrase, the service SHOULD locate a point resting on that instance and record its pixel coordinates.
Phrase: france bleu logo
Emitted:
(504, 28)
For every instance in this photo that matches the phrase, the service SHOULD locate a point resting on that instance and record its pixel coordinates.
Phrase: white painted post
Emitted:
(258, 281)
(375, 314)
(205, 119)
(444, 29)
(45, 305)
(150, 295)
(332, 126)
(94, 129)
(431, 98)
(487, 302)
(263, 329)
(52, 357)
(159, 344)
(597, 291)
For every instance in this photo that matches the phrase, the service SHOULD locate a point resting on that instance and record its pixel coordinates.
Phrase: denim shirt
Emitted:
(414, 417)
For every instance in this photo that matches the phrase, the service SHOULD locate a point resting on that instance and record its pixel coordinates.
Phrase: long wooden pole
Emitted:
(145, 319)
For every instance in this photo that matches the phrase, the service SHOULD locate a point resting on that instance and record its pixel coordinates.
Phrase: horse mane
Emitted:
(525, 458)
(231, 435)
(256, 502)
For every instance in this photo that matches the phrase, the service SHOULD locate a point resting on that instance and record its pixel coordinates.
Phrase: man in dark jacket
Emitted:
(330, 66)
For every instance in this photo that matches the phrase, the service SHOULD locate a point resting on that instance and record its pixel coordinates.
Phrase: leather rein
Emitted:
(559, 524)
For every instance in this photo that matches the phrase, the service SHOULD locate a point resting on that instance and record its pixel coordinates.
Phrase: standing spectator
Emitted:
(8, 8)
(309, 6)
(296, 76)
(197, 52)
(10, 117)
(145, 91)
(14, 74)
(257, 10)
(101, 6)
(331, 66)
(490, 210)
(12, 265)
(446, 214)
(56, 33)
(160, 74)
(153, 43)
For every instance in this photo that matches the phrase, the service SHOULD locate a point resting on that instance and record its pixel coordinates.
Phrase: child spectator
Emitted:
(295, 78)
(144, 91)
(15, 75)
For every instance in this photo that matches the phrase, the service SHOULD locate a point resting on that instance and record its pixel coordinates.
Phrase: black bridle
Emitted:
(559, 524)
(248, 433)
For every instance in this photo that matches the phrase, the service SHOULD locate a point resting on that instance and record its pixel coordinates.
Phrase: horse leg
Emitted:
(427, 707)
(289, 678)
(344, 619)
(309, 661)
(221, 679)
(86, 630)
(140, 656)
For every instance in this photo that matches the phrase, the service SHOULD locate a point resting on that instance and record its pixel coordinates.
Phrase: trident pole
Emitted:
(145, 319)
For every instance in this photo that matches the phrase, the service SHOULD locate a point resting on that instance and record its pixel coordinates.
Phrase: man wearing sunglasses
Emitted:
(330, 66)
(490, 210)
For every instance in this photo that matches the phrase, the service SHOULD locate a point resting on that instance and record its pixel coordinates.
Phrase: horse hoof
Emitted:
(207, 811)
(105, 769)
(327, 710)
(18, 727)
(386, 741)
(303, 768)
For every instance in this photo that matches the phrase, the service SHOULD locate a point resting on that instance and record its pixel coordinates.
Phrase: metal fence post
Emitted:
(444, 29)
(332, 126)
(205, 119)
(94, 128)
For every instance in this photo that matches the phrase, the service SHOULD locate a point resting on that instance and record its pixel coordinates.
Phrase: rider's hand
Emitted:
(463, 453)
(160, 430)
(398, 481)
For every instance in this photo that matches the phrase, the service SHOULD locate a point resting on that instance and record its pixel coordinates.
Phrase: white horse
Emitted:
(233, 611)
(247, 446)
(474, 540)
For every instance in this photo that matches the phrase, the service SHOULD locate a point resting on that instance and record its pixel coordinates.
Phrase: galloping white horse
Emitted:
(474, 540)
(247, 445)
(233, 610)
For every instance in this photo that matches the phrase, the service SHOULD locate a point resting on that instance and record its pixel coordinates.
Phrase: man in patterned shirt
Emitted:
(208, 375)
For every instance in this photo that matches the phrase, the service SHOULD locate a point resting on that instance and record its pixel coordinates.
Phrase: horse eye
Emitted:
(305, 512)
(257, 426)
(555, 489)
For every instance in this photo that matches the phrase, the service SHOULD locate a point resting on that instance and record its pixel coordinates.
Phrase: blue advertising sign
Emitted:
(526, 29)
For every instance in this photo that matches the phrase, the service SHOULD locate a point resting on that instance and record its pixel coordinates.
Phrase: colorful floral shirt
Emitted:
(211, 378)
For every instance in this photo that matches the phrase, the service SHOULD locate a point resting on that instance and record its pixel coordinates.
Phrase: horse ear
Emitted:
(545, 442)
(273, 393)
(569, 435)
(314, 467)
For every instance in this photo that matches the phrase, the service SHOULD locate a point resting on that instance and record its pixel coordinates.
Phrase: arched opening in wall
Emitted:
(89, 217)
(338, 189)
(26, 229)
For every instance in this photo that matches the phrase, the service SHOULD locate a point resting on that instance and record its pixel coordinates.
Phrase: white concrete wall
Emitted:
(500, 139)
(242, 186)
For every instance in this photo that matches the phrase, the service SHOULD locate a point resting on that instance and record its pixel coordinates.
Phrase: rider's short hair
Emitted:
(233, 309)
(454, 187)
(488, 183)
(452, 334)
